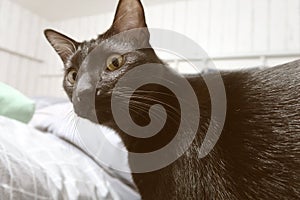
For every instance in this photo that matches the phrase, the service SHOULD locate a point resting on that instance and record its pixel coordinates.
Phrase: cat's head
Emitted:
(114, 60)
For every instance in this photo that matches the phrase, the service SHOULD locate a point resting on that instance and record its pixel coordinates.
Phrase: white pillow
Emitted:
(34, 165)
(60, 120)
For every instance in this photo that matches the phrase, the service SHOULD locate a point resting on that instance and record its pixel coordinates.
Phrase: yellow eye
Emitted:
(71, 76)
(114, 62)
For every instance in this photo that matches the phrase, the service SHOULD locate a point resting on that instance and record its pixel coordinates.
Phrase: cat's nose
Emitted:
(84, 86)
(80, 92)
(84, 95)
(83, 101)
(83, 89)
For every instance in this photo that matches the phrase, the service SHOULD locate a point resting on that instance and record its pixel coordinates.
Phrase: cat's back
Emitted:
(261, 138)
(258, 153)
(266, 94)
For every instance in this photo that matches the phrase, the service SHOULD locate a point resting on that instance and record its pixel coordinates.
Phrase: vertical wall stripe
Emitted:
(260, 26)
(221, 27)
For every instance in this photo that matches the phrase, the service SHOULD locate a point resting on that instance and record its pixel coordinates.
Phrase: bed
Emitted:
(41, 160)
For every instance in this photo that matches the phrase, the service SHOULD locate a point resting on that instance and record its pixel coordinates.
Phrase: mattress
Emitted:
(41, 165)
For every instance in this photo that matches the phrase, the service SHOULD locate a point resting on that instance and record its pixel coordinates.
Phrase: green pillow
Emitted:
(15, 105)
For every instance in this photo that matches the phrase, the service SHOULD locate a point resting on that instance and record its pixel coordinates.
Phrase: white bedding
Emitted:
(36, 165)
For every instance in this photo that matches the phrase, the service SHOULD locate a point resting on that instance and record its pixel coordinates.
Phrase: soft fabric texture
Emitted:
(45, 101)
(60, 120)
(15, 105)
(34, 165)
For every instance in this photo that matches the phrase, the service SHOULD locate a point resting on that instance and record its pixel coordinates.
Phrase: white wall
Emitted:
(237, 33)
(23, 50)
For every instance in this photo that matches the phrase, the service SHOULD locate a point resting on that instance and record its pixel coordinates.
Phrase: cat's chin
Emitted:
(86, 117)
(87, 114)
(103, 109)
(104, 117)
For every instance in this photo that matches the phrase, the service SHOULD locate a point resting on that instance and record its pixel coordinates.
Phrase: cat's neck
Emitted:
(163, 96)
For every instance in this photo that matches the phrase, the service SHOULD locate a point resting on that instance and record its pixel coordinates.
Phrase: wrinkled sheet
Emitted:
(36, 165)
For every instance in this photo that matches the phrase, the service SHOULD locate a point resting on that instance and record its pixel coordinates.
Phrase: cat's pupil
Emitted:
(115, 62)
(74, 75)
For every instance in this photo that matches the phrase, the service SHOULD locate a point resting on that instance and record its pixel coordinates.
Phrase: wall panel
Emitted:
(278, 25)
(260, 25)
(245, 26)
(293, 25)
(229, 32)
(21, 48)
(221, 27)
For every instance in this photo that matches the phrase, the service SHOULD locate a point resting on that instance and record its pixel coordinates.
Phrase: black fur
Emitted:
(258, 154)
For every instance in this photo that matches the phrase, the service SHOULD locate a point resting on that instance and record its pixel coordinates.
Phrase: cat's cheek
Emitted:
(103, 109)
(104, 117)
(68, 90)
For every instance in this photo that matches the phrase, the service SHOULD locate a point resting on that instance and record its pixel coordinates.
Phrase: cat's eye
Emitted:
(114, 62)
(71, 76)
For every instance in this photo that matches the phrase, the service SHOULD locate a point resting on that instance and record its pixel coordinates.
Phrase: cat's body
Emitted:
(258, 153)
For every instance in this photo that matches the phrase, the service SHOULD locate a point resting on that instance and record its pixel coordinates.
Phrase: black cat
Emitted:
(258, 153)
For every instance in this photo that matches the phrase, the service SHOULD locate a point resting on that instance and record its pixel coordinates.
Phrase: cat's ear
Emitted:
(129, 15)
(63, 45)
